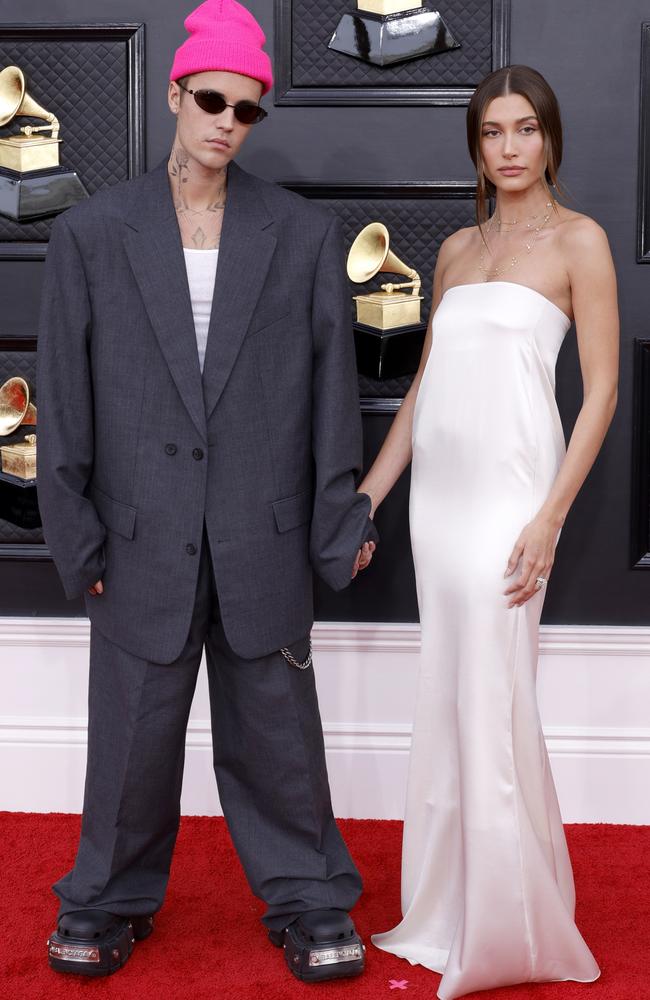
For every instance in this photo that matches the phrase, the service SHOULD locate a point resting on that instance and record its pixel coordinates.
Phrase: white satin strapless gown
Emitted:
(488, 896)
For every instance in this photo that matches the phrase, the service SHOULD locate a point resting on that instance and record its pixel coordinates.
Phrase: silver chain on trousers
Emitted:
(290, 658)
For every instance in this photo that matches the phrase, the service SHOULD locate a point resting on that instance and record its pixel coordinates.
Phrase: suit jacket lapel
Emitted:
(246, 249)
(154, 247)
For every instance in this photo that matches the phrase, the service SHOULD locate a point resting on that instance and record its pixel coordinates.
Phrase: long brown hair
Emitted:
(529, 84)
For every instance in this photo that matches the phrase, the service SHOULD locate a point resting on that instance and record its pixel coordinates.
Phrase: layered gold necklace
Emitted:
(533, 228)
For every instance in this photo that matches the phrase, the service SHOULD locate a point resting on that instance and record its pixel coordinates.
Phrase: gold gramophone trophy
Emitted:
(388, 332)
(384, 32)
(32, 182)
(18, 495)
(17, 454)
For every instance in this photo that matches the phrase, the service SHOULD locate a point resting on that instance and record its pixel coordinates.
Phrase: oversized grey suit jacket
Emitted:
(136, 448)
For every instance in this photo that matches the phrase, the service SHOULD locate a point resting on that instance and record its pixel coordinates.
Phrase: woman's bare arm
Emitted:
(593, 292)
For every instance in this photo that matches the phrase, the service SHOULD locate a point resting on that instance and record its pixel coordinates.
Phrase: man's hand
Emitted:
(97, 589)
(364, 557)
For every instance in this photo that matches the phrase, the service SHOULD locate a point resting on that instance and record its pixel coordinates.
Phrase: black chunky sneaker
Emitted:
(94, 942)
(321, 944)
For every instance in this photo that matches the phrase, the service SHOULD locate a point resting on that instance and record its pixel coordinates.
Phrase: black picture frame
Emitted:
(30, 551)
(641, 457)
(288, 93)
(643, 210)
(128, 40)
(336, 195)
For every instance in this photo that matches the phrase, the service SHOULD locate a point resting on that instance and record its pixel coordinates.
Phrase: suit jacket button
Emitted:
(170, 449)
(197, 454)
(190, 549)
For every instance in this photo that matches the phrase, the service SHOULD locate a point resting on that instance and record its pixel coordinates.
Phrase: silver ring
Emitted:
(540, 582)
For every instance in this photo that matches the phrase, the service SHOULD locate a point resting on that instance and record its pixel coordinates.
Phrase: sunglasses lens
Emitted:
(210, 101)
(249, 114)
(215, 103)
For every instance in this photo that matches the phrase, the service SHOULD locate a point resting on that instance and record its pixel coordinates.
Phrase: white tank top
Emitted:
(201, 268)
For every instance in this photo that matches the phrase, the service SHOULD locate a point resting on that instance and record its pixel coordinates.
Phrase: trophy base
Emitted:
(39, 192)
(18, 502)
(383, 311)
(24, 153)
(388, 354)
(384, 39)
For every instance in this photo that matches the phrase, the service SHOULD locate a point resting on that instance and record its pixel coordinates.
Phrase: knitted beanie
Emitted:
(223, 36)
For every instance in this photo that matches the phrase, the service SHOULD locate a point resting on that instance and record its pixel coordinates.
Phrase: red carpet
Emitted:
(208, 943)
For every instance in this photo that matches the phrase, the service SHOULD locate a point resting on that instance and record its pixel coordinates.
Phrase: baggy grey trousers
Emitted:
(269, 762)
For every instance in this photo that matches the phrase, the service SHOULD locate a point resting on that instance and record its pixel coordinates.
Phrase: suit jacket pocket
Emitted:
(113, 514)
(293, 511)
(269, 314)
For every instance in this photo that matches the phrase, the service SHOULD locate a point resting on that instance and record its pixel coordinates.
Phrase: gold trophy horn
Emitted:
(391, 308)
(14, 100)
(14, 404)
(29, 150)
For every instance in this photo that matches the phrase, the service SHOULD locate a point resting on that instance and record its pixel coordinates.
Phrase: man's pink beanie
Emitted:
(223, 36)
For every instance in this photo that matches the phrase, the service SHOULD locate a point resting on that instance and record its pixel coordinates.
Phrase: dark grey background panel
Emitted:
(643, 222)
(20, 295)
(597, 83)
(641, 457)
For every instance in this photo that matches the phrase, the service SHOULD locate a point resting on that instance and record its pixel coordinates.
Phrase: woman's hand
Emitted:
(364, 557)
(535, 550)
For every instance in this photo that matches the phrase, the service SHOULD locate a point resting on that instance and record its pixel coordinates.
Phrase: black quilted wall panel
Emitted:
(417, 227)
(11, 534)
(314, 65)
(19, 362)
(86, 82)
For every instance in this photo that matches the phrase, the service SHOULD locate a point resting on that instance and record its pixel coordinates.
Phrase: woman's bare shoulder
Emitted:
(580, 232)
(457, 242)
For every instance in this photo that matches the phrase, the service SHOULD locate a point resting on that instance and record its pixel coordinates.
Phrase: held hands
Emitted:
(535, 550)
(96, 589)
(364, 557)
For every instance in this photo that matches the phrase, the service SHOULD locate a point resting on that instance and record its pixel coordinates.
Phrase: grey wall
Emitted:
(590, 55)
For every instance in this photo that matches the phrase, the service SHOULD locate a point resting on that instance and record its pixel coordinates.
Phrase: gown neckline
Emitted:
(517, 284)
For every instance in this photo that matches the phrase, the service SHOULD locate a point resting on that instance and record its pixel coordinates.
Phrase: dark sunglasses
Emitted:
(214, 103)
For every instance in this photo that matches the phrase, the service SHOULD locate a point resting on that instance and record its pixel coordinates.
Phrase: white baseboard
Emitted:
(593, 687)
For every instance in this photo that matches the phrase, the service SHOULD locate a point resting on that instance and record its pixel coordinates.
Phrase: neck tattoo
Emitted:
(201, 227)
